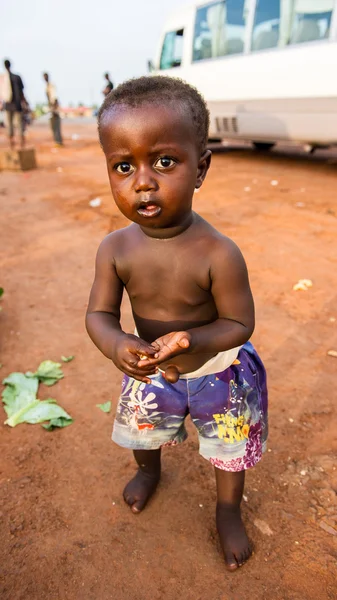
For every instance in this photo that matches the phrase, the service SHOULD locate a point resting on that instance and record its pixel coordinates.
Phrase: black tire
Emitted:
(263, 146)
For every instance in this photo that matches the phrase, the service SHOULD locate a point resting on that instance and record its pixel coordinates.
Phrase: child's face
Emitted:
(153, 163)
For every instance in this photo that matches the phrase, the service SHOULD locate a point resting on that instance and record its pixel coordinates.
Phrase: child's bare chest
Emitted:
(170, 276)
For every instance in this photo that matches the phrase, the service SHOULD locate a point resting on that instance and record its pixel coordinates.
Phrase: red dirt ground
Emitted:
(65, 531)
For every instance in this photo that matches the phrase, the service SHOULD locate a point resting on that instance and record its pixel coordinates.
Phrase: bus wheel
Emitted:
(263, 145)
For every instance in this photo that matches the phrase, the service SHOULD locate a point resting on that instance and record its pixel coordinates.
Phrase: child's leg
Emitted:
(232, 533)
(141, 487)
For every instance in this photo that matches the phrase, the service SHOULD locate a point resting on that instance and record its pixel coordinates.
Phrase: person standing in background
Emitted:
(14, 101)
(109, 86)
(53, 103)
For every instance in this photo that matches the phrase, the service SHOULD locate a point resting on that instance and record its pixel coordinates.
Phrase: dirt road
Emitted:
(65, 531)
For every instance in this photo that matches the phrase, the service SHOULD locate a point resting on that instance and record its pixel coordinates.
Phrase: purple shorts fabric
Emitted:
(229, 410)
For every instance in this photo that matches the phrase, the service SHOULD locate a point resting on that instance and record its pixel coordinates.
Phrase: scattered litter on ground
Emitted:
(328, 528)
(201, 505)
(263, 527)
(67, 358)
(290, 420)
(300, 204)
(247, 189)
(95, 202)
(274, 182)
(75, 136)
(302, 285)
(22, 405)
(332, 320)
(332, 353)
(105, 407)
(245, 498)
(59, 169)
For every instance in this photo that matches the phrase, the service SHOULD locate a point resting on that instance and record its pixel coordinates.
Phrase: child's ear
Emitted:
(203, 166)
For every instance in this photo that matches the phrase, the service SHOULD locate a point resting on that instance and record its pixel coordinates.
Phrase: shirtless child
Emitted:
(191, 301)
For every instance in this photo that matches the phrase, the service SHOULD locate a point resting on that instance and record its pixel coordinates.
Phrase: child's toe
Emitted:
(230, 561)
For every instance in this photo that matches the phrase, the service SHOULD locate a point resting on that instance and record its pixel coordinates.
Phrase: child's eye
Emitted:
(124, 168)
(164, 162)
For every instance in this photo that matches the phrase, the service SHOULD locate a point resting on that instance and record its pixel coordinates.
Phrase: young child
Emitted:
(191, 302)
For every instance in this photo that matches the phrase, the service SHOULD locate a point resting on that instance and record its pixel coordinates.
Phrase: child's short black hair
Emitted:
(161, 90)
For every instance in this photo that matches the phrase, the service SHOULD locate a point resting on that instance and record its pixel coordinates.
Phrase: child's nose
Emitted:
(145, 180)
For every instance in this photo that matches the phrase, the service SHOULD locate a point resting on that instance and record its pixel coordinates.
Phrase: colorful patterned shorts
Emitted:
(229, 410)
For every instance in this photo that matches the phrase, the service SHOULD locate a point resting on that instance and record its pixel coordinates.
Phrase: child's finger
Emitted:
(132, 367)
(171, 374)
(144, 362)
(145, 352)
(184, 343)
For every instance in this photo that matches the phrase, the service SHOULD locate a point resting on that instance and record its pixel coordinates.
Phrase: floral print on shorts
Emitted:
(229, 410)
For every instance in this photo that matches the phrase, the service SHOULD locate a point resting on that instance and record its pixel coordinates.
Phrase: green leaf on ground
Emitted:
(22, 406)
(59, 422)
(106, 407)
(1, 291)
(26, 408)
(49, 372)
(66, 359)
(17, 382)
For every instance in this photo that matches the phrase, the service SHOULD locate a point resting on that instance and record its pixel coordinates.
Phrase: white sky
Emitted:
(77, 41)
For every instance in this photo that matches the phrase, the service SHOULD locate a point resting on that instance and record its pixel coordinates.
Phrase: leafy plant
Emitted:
(20, 398)
(106, 407)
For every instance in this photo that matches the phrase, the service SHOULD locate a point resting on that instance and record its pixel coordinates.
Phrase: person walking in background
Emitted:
(14, 101)
(109, 86)
(53, 103)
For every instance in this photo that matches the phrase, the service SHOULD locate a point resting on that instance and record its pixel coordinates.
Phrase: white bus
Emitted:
(267, 68)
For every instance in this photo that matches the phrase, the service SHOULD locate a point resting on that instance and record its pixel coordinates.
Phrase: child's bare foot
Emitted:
(233, 537)
(140, 489)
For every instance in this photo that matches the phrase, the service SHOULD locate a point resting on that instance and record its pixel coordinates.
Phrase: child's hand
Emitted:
(128, 350)
(166, 347)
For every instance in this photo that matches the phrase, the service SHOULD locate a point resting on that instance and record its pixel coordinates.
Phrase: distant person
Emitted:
(191, 302)
(54, 108)
(109, 86)
(14, 103)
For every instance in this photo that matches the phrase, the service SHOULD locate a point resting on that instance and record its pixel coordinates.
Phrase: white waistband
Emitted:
(218, 363)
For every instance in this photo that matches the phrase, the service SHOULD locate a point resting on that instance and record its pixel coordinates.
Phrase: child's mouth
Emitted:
(149, 210)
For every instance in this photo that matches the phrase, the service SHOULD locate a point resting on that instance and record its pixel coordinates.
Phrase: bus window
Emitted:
(219, 29)
(311, 20)
(172, 50)
(266, 24)
(281, 22)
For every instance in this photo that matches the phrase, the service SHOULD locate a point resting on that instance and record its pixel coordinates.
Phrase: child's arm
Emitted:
(103, 318)
(234, 302)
